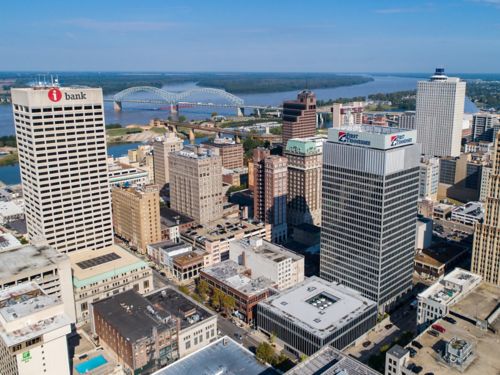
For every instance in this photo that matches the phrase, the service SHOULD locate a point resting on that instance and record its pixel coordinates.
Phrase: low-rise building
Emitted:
(435, 301)
(145, 333)
(162, 253)
(42, 264)
(315, 313)
(223, 355)
(10, 211)
(331, 361)
(266, 259)
(33, 332)
(121, 174)
(8, 242)
(442, 211)
(470, 213)
(235, 281)
(98, 274)
(424, 233)
(432, 263)
(215, 236)
(173, 223)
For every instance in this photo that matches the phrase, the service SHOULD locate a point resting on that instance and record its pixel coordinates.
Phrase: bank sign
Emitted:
(55, 95)
(372, 140)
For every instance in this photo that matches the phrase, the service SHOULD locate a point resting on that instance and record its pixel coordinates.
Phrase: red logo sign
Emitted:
(54, 94)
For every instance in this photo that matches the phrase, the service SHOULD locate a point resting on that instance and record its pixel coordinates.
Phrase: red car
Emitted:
(439, 328)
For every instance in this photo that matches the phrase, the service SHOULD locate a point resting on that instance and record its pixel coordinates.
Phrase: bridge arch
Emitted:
(162, 94)
(233, 99)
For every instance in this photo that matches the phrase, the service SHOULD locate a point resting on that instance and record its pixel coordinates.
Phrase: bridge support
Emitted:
(240, 112)
(237, 139)
(192, 137)
(319, 120)
(117, 106)
(174, 108)
(257, 113)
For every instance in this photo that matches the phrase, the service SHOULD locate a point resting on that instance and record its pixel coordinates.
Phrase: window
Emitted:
(188, 344)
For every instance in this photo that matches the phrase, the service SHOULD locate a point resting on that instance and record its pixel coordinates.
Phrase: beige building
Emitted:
(196, 184)
(347, 114)
(42, 264)
(98, 274)
(62, 156)
(270, 191)
(282, 266)
(486, 248)
(215, 237)
(230, 152)
(33, 332)
(136, 215)
(305, 159)
(162, 147)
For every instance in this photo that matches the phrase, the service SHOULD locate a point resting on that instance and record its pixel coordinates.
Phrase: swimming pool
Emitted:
(91, 364)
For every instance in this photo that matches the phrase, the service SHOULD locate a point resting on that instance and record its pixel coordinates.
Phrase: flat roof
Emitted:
(169, 217)
(233, 275)
(28, 258)
(132, 315)
(331, 361)
(10, 208)
(372, 136)
(222, 229)
(83, 275)
(319, 306)
(224, 357)
(265, 249)
(481, 302)
(451, 287)
(169, 246)
(440, 254)
(27, 302)
(169, 301)
(8, 242)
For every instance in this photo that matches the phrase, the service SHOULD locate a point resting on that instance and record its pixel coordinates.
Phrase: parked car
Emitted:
(450, 320)
(416, 344)
(439, 328)
(366, 344)
(433, 332)
(413, 352)
(388, 326)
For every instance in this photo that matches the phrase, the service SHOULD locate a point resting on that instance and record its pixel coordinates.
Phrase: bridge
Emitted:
(237, 134)
(178, 100)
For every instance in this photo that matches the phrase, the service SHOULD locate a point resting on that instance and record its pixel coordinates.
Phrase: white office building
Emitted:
(33, 330)
(436, 300)
(440, 109)
(62, 155)
(369, 212)
(429, 178)
(266, 259)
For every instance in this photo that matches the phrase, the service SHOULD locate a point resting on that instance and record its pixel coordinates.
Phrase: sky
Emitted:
(251, 35)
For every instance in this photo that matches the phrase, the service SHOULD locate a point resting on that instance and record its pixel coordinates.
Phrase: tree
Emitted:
(276, 130)
(203, 288)
(228, 303)
(215, 301)
(213, 114)
(265, 352)
(272, 338)
(184, 289)
(182, 118)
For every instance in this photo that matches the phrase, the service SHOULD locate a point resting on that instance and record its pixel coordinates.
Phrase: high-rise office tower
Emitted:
(196, 183)
(369, 210)
(299, 117)
(438, 119)
(162, 147)
(486, 248)
(270, 192)
(304, 157)
(136, 215)
(61, 141)
(484, 127)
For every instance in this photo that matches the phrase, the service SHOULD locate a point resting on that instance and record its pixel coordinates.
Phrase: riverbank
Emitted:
(9, 159)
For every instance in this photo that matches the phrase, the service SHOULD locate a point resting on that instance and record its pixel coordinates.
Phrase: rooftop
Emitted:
(10, 208)
(234, 276)
(28, 257)
(171, 302)
(27, 312)
(331, 361)
(474, 209)
(222, 229)
(189, 258)
(372, 136)
(91, 266)
(172, 218)
(304, 146)
(439, 255)
(319, 306)
(169, 246)
(265, 249)
(132, 315)
(8, 242)
(451, 287)
(222, 357)
(481, 302)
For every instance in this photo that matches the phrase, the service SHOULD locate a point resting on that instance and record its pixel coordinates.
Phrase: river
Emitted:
(133, 113)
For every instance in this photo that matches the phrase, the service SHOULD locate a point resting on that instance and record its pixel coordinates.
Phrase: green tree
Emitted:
(213, 114)
(182, 118)
(272, 338)
(184, 289)
(265, 352)
(215, 301)
(276, 131)
(203, 288)
(228, 303)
